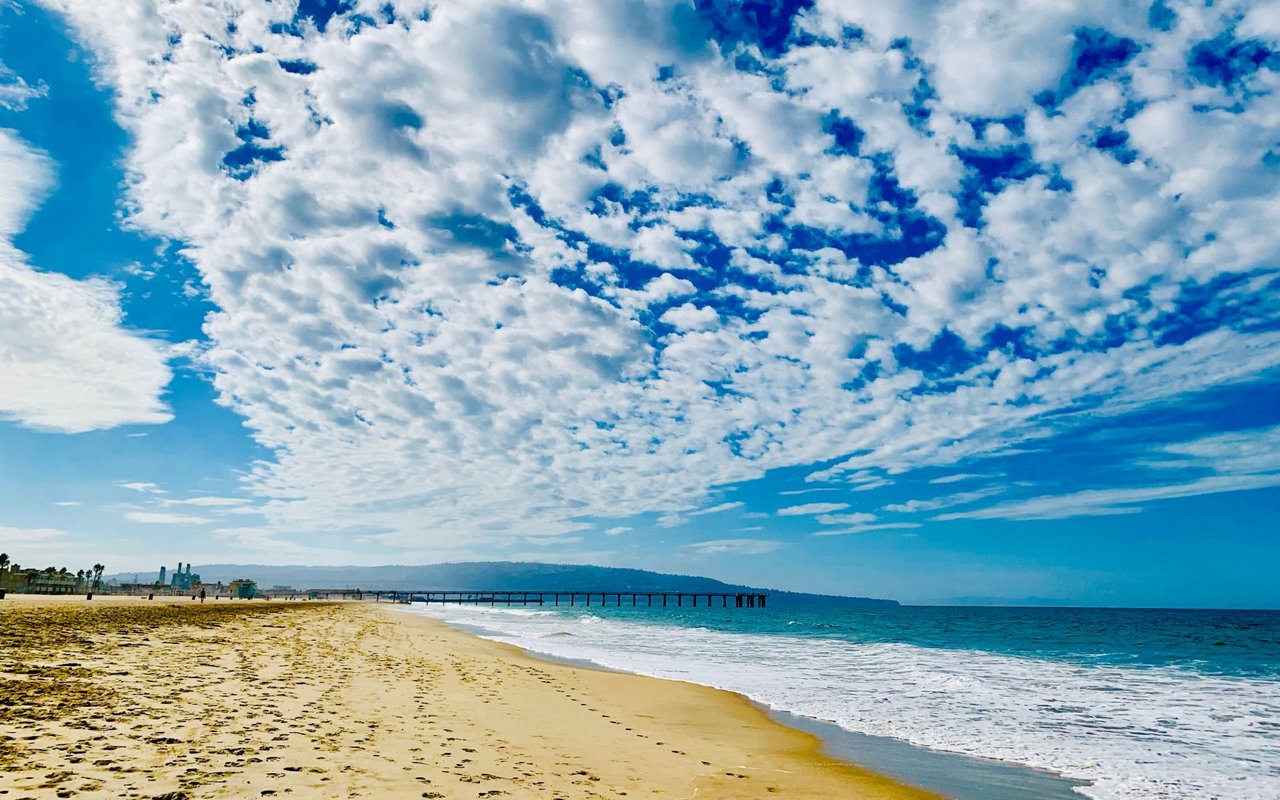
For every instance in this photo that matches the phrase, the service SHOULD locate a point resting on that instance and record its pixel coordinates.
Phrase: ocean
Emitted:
(1125, 703)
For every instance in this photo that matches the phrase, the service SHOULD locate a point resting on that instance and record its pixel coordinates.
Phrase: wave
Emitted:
(1134, 733)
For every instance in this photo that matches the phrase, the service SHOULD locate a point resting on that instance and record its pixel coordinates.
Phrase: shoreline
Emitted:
(953, 775)
(136, 699)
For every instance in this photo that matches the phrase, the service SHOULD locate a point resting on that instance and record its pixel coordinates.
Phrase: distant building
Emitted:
(181, 581)
(243, 589)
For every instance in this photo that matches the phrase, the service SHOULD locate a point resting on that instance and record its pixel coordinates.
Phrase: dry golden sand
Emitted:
(133, 699)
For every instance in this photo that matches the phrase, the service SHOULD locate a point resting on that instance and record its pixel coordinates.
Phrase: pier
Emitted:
(554, 598)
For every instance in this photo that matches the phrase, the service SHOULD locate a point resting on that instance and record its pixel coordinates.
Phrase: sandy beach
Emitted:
(125, 698)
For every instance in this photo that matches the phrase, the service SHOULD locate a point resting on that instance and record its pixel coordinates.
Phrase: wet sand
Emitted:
(170, 699)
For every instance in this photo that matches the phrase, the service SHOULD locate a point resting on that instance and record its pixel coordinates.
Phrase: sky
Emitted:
(971, 301)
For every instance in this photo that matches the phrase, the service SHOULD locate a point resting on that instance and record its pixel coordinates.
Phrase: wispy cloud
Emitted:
(551, 541)
(883, 526)
(1244, 460)
(858, 518)
(676, 519)
(947, 501)
(715, 509)
(811, 508)
(10, 536)
(208, 501)
(960, 476)
(737, 547)
(67, 503)
(1110, 502)
(160, 518)
(617, 531)
(16, 92)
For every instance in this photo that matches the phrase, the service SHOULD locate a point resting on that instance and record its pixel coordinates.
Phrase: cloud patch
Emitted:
(69, 366)
(517, 267)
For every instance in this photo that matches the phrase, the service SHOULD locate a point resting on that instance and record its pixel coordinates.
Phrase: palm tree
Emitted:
(98, 569)
(4, 561)
(79, 578)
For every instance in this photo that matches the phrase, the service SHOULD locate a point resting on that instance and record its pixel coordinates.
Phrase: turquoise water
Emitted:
(1235, 643)
(1128, 703)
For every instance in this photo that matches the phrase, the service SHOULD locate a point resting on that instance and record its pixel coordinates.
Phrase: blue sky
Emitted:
(935, 303)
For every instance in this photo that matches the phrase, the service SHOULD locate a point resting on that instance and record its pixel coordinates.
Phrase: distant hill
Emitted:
(496, 575)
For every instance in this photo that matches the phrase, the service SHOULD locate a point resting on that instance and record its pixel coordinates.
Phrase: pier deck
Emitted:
(560, 598)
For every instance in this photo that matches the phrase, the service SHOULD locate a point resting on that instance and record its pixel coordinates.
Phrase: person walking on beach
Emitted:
(202, 595)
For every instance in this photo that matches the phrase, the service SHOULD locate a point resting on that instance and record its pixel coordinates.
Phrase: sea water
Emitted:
(1134, 703)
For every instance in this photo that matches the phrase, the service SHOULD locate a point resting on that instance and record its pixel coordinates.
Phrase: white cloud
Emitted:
(737, 547)
(141, 486)
(716, 509)
(68, 364)
(16, 92)
(882, 526)
(469, 364)
(617, 530)
(811, 508)
(10, 536)
(161, 518)
(692, 318)
(67, 503)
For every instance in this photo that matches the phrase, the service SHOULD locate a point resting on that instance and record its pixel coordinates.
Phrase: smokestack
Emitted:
(162, 569)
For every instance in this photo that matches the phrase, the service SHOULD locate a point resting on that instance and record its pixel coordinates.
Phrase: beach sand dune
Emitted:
(177, 700)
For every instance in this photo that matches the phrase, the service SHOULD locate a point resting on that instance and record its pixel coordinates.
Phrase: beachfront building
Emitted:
(33, 581)
(243, 589)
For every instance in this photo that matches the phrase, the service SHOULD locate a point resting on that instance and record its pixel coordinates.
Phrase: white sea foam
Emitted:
(1137, 734)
